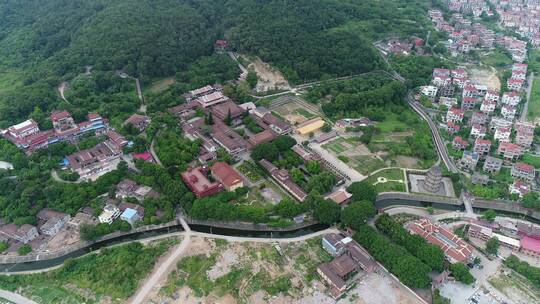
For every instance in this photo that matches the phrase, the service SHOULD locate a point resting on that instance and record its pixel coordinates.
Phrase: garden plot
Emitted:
(293, 112)
(355, 154)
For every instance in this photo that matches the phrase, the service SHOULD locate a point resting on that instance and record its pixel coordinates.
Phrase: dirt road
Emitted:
(162, 270)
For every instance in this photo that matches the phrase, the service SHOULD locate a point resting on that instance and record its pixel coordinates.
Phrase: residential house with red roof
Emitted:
(523, 171)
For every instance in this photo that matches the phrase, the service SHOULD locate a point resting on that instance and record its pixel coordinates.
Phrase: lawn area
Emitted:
(532, 160)
(534, 103)
(497, 59)
(161, 84)
(366, 164)
(336, 146)
(534, 61)
(113, 274)
(392, 123)
(389, 174)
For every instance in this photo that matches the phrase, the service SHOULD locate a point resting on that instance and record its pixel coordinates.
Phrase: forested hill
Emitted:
(44, 42)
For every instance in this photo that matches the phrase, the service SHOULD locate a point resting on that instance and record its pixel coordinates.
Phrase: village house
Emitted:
(519, 67)
(492, 96)
(514, 84)
(492, 164)
(482, 146)
(470, 91)
(140, 122)
(442, 80)
(460, 82)
(459, 73)
(478, 229)
(468, 103)
(51, 221)
(459, 143)
(511, 98)
(499, 122)
(227, 176)
(502, 134)
(508, 112)
(27, 135)
(448, 101)
(523, 171)
(128, 188)
(80, 219)
(117, 138)
(478, 118)
(350, 257)
(519, 187)
(197, 181)
(469, 160)
(447, 91)
(479, 179)
(455, 115)
(478, 131)
(524, 134)
(509, 151)
(109, 214)
(24, 234)
(452, 128)
(488, 106)
(429, 91)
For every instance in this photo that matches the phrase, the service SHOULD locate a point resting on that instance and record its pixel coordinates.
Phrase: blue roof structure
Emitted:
(129, 213)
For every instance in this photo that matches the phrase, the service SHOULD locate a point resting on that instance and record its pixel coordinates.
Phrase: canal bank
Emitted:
(38, 261)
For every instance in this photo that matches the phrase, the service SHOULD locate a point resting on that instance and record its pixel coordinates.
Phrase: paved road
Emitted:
(153, 152)
(439, 143)
(15, 298)
(163, 269)
(525, 111)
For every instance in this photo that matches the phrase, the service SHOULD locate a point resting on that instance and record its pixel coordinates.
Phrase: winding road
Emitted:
(439, 143)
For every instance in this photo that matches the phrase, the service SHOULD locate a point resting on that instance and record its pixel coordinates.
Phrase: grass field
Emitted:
(534, 103)
(389, 174)
(534, 61)
(392, 123)
(366, 164)
(161, 85)
(497, 59)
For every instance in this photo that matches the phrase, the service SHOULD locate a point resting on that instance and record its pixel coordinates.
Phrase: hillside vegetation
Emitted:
(46, 42)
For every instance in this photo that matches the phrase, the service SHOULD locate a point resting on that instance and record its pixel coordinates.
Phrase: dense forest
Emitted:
(43, 43)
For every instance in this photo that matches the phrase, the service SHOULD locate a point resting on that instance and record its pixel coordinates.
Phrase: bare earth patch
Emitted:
(269, 78)
(486, 77)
